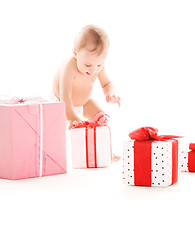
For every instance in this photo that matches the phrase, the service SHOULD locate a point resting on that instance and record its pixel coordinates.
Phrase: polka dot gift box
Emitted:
(150, 160)
(91, 143)
(188, 159)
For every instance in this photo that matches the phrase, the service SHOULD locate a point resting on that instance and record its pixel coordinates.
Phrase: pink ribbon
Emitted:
(16, 100)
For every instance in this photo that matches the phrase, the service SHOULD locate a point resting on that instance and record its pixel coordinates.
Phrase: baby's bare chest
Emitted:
(83, 83)
(81, 89)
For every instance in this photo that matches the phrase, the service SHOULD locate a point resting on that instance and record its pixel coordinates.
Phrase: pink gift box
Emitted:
(32, 139)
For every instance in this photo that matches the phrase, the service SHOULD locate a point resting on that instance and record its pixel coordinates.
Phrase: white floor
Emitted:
(151, 63)
(94, 204)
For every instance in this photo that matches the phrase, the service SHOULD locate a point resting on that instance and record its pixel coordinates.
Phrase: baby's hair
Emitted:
(93, 35)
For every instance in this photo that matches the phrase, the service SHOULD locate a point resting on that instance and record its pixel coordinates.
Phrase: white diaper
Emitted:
(78, 110)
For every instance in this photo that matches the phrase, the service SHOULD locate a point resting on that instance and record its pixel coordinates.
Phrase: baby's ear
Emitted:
(74, 53)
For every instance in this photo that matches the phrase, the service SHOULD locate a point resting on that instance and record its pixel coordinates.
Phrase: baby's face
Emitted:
(90, 63)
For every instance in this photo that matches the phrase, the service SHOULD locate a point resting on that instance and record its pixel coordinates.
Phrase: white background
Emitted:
(151, 63)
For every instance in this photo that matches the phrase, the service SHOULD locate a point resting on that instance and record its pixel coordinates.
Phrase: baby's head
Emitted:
(90, 49)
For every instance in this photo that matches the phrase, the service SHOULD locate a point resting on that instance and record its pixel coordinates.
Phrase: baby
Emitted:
(74, 80)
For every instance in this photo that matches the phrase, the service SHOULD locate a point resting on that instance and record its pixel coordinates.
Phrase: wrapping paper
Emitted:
(161, 165)
(91, 147)
(184, 162)
(32, 139)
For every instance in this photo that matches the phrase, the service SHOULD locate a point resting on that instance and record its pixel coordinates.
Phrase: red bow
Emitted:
(192, 146)
(149, 133)
(100, 119)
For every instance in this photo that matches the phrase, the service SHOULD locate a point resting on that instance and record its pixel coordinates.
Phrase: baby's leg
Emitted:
(90, 109)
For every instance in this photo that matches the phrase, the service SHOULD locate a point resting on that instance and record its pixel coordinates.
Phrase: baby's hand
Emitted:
(75, 122)
(113, 99)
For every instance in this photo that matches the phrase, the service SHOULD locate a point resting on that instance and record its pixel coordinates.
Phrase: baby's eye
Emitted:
(99, 65)
(87, 65)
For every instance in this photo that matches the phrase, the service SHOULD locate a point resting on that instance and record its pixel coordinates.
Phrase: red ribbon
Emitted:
(91, 158)
(142, 154)
(142, 163)
(100, 119)
(149, 133)
(191, 158)
(192, 146)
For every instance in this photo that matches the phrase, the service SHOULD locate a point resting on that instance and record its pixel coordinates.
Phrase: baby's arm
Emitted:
(108, 87)
(66, 79)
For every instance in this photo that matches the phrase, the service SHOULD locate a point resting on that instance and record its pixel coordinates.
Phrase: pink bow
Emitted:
(149, 133)
(16, 100)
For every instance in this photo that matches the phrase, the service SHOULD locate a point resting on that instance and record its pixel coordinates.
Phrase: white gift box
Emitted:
(91, 147)
(188, 161)
(184, 162)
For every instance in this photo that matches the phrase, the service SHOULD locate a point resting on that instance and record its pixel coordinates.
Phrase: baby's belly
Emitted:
(81, 96)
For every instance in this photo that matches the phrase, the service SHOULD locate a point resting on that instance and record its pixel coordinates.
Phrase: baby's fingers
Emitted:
(73, 124)
(113, 99)
(108, 98)
(118, 101)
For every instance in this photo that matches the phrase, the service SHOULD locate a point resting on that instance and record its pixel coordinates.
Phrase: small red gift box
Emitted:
(188, 159)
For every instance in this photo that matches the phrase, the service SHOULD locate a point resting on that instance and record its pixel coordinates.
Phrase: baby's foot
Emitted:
(115, 158)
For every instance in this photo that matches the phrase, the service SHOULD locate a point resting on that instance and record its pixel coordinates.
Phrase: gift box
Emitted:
(150, 160)
(188, 159)
(91, 145)
(32, 138)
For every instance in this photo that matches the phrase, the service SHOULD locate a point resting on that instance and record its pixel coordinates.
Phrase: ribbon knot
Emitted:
(100, 119)
(149, 133)
(192, 146)
(21, 100)
(16, 100)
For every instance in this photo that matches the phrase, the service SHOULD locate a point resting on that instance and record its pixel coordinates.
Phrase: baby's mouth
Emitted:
(88, 73)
